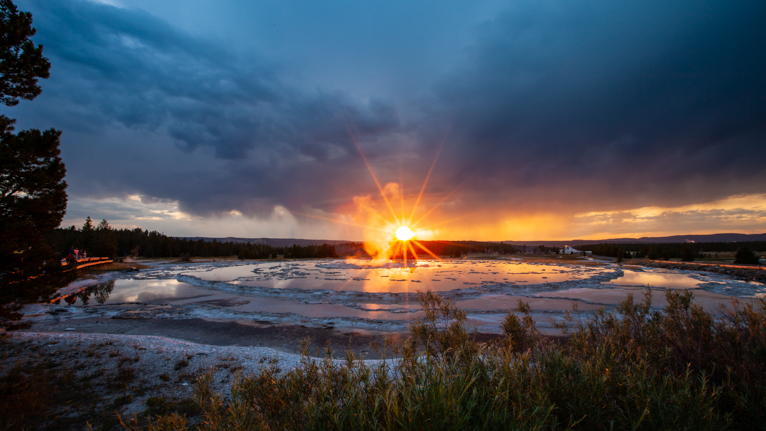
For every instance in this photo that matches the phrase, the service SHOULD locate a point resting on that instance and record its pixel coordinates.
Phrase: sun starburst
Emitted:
(388, 235)
(404, 233)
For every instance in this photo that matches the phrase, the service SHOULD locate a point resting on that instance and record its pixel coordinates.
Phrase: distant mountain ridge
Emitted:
(718, 237)
(274, 242)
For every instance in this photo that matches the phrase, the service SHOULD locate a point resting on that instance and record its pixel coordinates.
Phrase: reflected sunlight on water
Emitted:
(656, 279)
(426, 275)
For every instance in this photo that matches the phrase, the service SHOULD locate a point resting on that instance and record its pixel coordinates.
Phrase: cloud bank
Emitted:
(549, 108)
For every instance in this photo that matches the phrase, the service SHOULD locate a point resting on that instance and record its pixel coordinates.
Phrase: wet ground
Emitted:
(276, 304)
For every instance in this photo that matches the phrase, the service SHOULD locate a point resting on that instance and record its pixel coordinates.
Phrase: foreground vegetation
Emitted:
(635, 368)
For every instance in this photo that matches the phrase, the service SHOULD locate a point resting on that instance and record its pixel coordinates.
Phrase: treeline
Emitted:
(460, 248)
(683, 251)
(263, 251)
(104, 241)
(446, 248)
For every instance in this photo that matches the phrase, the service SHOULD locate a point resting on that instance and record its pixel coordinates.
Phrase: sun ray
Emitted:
(339, 221)
(435, 206)
(348, 280)
(394, 238)
(425, 183)
(414, 255)
(395, 250)
(372, 173)
(401, 191)
(451, 220)
(424, 248)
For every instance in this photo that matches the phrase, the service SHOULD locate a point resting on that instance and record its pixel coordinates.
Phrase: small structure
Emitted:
(569, 250)
(88, 261)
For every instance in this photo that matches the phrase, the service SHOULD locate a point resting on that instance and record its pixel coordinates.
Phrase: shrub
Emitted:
(635, 368)
(122, 400)
(125, 374)
(442, 331)
(520, 333)
(745, 255)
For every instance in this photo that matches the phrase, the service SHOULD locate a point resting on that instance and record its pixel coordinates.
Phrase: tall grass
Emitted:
(634, 368)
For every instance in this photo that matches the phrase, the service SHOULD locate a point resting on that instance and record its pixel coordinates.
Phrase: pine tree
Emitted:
(745, 255)
(32, 188)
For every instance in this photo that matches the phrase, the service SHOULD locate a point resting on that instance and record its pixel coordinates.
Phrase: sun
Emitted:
(389, 237)
(404, 233)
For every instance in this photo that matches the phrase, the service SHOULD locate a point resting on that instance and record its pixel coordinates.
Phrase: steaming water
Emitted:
(657, 279)
(351, 294)
(394, 278)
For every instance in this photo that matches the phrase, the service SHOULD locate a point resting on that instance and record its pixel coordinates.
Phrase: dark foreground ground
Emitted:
(283, 337)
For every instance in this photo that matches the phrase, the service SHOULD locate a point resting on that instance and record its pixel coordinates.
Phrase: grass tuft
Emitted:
(634, 368)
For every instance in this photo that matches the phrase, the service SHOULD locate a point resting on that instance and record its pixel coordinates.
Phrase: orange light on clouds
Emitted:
(391, 221)
(734, 214)
(388, 235)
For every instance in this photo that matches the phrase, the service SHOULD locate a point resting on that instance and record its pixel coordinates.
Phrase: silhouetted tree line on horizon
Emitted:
(687, 252)
(264, 251)
(454, 249)
(462, 248)
(104, 241)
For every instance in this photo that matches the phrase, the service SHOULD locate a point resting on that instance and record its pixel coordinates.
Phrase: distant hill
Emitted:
(274, 242)
(717, 237)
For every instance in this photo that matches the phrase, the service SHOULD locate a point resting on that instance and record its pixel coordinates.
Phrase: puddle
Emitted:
(507, 302)
(693, 281)
(343, 294)
(656, 279)
(320, 310)
(710, 301)
(132, 290)
(410, 306)
(173, 292)
(437, 276)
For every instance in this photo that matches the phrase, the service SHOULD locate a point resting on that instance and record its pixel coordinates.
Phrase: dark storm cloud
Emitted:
(139, 71)
(554, 106)
(620, 104)
(124, 68)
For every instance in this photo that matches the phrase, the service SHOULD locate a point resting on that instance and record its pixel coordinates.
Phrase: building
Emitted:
(569, 250)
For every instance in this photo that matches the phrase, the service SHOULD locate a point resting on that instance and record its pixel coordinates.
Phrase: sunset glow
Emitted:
(555, 142)
(450, 193)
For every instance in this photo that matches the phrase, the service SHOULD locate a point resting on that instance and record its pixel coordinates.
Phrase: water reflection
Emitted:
(159, 286)
(132, 290)
(656, 279)
(99, 292)
(394, 277)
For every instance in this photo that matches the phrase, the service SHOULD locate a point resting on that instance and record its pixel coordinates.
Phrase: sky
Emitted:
(529, 119)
